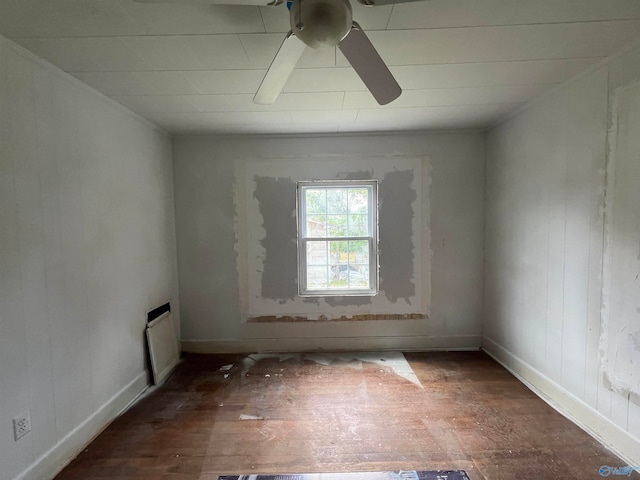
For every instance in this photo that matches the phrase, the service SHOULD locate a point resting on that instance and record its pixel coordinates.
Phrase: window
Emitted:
(337, 238)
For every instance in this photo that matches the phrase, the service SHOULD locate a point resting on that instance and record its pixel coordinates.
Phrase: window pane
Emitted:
(358, 200)
(358, 225)
(359, 251)
(337, 225)
(317, 253)
(358, 276)
(336, 200)
(316, 201)
(338, 284)
(317, 277)
(338, 252)
(316, 226)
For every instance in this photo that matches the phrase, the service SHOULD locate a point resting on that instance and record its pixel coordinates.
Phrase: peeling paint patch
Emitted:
(619, 341)
(396, 233)
(347, 301)
(265, 198)
(278, 210)
(361, 175)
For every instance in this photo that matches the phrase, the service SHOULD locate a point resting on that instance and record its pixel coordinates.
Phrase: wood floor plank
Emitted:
(292, 414)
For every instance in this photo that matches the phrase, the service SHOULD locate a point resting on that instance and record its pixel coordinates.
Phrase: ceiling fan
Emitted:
(320, 24)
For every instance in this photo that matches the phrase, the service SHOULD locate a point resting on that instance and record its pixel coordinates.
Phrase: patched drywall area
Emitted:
(278, 212)
(266, 247)
(620, 340)
(396, 195)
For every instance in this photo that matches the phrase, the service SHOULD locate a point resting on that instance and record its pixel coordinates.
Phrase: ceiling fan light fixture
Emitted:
(321, 23)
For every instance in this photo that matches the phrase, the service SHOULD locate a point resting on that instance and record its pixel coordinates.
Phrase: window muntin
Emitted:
(337, 238)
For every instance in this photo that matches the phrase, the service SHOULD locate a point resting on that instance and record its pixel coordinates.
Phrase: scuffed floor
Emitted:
(294, 413)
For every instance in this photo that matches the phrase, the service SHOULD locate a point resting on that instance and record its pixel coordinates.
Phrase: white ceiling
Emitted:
(194, 68)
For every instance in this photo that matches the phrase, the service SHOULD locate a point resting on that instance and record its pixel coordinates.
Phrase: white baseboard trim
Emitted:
(337, 344)
(53, 461)
(589, 419)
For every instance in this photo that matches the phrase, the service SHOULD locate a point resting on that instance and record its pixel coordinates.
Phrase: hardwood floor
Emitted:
(301, 413)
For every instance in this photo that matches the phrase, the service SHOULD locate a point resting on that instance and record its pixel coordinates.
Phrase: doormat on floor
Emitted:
(402, 475)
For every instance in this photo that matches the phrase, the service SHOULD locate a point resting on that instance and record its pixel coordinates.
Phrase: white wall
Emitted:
(205, 179)
(545, 231)
(87, 245)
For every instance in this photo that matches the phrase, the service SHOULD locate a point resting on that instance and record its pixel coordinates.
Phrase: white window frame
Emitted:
(372, 238)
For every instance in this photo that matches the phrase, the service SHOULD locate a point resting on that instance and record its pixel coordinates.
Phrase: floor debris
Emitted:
(250, 417)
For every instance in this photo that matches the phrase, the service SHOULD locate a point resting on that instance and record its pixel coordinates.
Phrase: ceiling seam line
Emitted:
(339, 67)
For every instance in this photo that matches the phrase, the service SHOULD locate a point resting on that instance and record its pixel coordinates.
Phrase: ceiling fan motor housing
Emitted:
(321, 23)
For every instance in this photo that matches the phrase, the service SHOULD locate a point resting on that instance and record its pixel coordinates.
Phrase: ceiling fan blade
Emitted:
(260, 3)
(367, 63)
(280, 69)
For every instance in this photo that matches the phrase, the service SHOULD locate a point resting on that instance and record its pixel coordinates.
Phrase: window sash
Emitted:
(336, 269)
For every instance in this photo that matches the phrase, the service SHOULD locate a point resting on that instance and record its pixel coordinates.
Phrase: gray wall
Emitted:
(87, 245)
(548, 309)
(206, 180)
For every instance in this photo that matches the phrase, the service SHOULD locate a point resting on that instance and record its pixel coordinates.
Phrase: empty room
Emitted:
(319, 239)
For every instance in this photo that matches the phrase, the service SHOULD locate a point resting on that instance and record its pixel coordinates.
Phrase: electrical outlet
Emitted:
(21, 425)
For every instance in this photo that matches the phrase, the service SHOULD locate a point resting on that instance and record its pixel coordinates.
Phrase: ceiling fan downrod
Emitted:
(299, 24)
